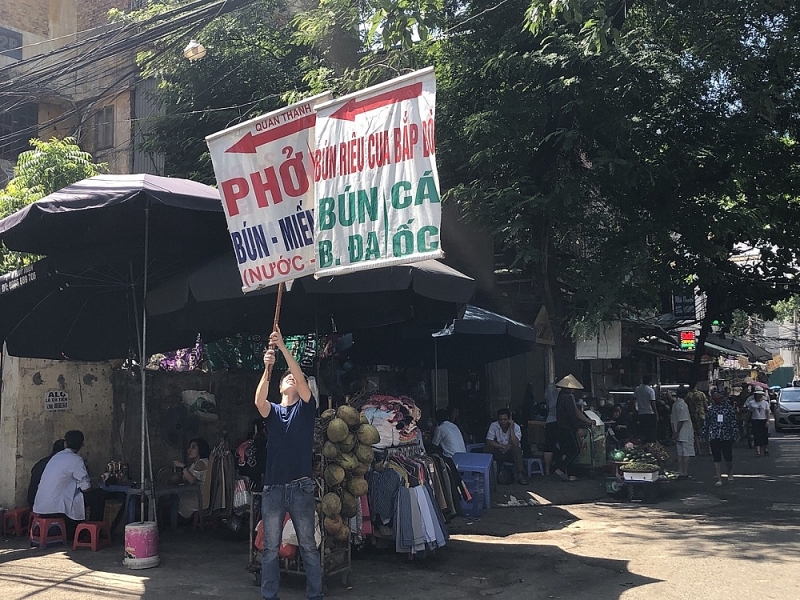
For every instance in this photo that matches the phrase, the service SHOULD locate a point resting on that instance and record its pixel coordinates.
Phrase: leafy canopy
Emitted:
(46, 168)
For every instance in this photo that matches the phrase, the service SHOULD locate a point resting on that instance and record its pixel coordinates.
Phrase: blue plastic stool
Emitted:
(476, 462)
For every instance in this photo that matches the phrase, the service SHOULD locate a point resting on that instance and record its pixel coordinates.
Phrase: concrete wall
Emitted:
(27, 430)
(105, 404)
(234, 393)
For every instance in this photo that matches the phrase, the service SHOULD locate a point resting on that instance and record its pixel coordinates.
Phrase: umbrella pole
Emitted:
(435, 374)
(146, 422)
(278, 302)
(142, 359)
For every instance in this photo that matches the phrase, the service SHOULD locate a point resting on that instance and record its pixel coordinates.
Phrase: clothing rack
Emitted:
(408, 450)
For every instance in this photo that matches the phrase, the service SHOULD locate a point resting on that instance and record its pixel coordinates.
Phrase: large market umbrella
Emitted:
(476, 338)
(81, 306)
(209, 299)
(121, 223)
(731, 344)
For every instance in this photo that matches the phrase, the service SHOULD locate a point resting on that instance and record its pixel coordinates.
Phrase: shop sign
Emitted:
(683, 306)
(56, 401)
(15, 279)
(376, 182)
(687, 340)
(264, 170)
(10, 43)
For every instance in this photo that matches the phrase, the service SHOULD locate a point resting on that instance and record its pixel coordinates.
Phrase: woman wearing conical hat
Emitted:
(569, 419)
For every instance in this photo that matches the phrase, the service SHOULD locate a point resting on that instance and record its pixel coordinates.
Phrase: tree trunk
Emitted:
(705, 329)
(564, 347)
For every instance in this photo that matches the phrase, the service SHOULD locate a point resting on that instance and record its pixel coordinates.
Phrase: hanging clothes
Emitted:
(403, 497)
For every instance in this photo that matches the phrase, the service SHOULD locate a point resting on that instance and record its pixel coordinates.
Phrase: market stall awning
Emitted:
(737, 346)
(209, 299)
(480, 336)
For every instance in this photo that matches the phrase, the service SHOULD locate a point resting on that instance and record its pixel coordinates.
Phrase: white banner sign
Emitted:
(56, 401)
(264, 170)
(375, 175)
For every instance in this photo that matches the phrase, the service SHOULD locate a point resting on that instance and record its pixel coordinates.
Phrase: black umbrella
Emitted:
(125, 228)
(107, 239)
(731, 344)
(78, 306)
(209, 300)
(478, 337)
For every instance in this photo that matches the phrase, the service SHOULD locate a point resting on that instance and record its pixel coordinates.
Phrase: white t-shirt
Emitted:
(448, 436)
(680, 414)
(496, 433)
(759, 410)
(60, 489)
(644, 395)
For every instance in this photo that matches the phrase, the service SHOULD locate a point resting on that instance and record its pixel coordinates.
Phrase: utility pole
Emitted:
(795, 348)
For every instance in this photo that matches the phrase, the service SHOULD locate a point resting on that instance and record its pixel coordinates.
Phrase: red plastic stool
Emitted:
(16, 521)
(40, 532)
(99, 535)
(30, 522)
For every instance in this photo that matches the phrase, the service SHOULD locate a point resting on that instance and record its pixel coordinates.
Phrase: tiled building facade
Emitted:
(95, 104)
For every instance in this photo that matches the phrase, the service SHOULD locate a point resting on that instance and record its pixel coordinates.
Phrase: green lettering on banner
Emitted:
(398, 201)
(373, 246)
(424, 241)
(426, 190)
(355, 247)
(326, 218)
(325, 255)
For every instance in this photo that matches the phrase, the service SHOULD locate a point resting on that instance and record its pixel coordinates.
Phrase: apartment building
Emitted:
(53, 87)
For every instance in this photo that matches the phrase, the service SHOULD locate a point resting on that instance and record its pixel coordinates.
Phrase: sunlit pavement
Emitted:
(699, 541)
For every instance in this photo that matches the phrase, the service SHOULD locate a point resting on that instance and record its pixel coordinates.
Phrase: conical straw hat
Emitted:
(569, 382)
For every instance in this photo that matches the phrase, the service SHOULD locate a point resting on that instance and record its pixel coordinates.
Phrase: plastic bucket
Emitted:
(141, 545)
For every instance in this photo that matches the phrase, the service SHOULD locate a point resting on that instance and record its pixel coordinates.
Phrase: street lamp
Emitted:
(194, 51)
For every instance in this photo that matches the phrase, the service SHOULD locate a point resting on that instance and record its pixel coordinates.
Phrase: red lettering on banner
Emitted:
(234, 190)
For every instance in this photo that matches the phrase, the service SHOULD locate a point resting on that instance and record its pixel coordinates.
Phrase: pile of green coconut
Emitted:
(347, 447)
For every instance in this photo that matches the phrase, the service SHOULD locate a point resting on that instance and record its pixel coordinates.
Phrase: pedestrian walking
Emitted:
(721, 430)
(645, 396)
(759, 419)
(683, 434)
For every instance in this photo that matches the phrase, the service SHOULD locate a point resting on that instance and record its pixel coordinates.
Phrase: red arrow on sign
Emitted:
(249, 143)
(352, 107)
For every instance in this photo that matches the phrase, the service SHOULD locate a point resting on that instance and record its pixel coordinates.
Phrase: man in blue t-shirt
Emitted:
(288, 485)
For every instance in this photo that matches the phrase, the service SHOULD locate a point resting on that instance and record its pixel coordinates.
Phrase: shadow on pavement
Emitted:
(505, 552)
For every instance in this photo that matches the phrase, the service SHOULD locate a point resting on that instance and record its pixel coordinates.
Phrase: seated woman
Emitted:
(620, 427)
(193, 475)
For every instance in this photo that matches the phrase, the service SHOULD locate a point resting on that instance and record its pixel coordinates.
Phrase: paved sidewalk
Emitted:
(746, 533)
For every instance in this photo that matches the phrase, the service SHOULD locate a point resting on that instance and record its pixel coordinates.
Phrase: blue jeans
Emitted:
(296, 498)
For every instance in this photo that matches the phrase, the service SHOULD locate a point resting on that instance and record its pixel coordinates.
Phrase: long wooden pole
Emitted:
(275, 326)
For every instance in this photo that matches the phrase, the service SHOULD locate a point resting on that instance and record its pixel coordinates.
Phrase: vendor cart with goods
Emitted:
(593, 446)
(638, 472)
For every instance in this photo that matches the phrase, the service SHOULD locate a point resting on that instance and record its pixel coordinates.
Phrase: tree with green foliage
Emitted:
(615, 149)
(46, 168)
(662, 158)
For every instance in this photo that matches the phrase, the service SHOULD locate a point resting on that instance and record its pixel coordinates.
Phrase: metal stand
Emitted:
(338, 562)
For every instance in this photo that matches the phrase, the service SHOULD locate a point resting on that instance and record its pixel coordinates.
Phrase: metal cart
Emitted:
(337, 562)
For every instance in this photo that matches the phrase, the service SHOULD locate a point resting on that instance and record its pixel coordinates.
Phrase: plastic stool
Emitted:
(16, 521)
(40, 532)
(99, 535)
(477, 462)
(534, 466)
(30, 522)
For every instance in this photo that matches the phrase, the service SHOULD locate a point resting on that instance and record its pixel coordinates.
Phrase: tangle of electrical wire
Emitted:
(84, 63)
